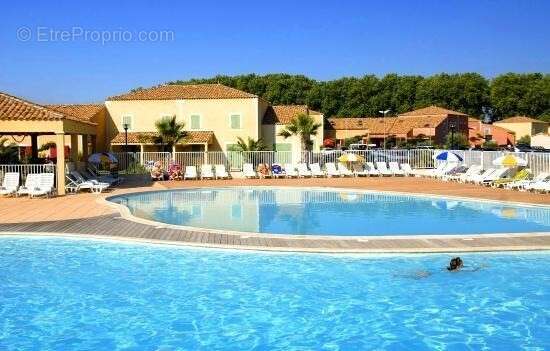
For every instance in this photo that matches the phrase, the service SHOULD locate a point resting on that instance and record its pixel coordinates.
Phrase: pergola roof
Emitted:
(19, 116)
(149, 138)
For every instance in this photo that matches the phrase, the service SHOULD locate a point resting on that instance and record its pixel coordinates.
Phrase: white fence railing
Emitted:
(25, 169)
(234, 160)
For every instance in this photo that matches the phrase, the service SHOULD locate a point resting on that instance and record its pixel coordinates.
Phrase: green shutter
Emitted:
(235, 121)
(195, 122)
(283, 147)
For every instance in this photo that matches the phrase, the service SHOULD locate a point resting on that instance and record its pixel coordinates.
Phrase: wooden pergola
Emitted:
(19, 117)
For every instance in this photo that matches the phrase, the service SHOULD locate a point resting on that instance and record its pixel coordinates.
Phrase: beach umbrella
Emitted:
(102, 158)
(351, 158)
(509, 161)
(448, 157)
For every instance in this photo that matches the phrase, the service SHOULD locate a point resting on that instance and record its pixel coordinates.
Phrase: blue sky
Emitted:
(321, 40)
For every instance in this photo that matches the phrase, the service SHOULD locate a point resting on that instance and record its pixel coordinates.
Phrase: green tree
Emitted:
(170, 131)
(456, 141)
(524, 140)
(521, 94)
(490, 145)
(304, 127)
(250, 144)
(9, 152)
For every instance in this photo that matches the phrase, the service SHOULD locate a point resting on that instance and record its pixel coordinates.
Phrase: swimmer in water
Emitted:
(455, 265)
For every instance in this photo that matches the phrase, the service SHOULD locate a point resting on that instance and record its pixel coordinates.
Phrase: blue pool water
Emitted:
(60, 294)
(331, 212)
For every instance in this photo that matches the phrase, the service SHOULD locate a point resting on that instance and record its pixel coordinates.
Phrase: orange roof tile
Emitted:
(432, 110)
(188, 91)
(389, 125)
(85, 112)
(192, 137)
(283, 114)
(14, 108)
(519, 119)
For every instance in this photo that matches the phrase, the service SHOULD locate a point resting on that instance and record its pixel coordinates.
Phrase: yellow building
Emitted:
(214, 115)
(522, 126)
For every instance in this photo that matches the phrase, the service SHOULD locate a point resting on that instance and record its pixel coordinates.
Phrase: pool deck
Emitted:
(90, 216)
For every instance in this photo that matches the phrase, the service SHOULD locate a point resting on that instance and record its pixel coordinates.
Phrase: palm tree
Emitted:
(9, 152)
(170, 131)
(250, 144)
(304, 127)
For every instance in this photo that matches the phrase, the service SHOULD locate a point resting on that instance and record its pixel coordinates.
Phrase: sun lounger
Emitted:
(372, 170)
(206, 172)
(77, 185)
(10, 184)
(190, 173)
(478, 178)
(344, 170)
(407, 169)
(437, 170)
(394, 168)
(316, 170)
(331, 170)
(462, 177)
(524, 184)
(496, 175)
(221, 172)
(290, 170)
(90, 174)
(248, 171)
(359, 170)
(381, 166)
(32, 181)
(523, 174)
(303, 172)
(81, 179)
(45, 186)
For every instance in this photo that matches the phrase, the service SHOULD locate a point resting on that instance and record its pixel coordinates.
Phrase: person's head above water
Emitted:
(455, 264)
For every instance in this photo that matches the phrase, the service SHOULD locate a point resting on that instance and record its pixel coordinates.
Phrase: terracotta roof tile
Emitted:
(85, 112)
(14, 108)
(519, 119)
(188, 91)
(388, 125)
(193, 137)
(432, 110)
(283, 114)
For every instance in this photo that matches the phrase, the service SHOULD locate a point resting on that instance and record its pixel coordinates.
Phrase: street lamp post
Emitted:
(126, 126)
(452, 127)
(384, 112)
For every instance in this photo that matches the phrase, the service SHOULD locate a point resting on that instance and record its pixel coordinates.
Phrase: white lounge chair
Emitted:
(290, 170)
(394, 168)
(381, 166)
(478, 178)
(45, 186)
(206, 172)
(98, 186)
(10, 184)
(407, 169)
(437, 170)
(496, 175)
(542, 186)
(190, 172)
(331, 170)
(31, 181)
(344, 170)
(359, 170)
(78, 184)
(303, 172)
(462, 177)
(221, 172)
(524, 184)
(316, 170)
(248, 171)
(372, 170)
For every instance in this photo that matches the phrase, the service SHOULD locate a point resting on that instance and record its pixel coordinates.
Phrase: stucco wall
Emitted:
(215, 116)
(524, 128)
(270, 135)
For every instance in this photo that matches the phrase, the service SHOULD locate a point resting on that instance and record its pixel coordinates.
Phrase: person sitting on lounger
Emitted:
(174, 171)
(455, 264)
(157, 173)
(263, 170)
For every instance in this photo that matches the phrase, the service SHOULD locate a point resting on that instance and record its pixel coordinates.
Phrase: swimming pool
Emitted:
(304, 211)
(88, 295)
